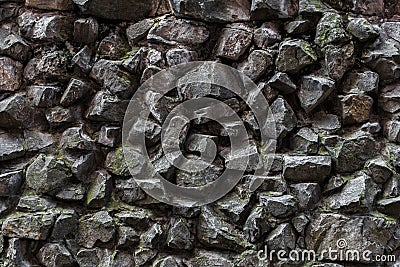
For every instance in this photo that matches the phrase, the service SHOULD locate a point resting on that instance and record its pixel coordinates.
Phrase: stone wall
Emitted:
(329, 70)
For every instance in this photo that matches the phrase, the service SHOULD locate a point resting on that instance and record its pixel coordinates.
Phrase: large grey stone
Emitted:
(233, 42)
(213, 10)
(314, 90)
(118, 10)
(284, 116)
(307, 168)
(106, 107)
(174, 31)
(12, 147)
(46, 174)
(93, 228)
(36, 226)
(273, 9)
(256, 64)
(294, 55)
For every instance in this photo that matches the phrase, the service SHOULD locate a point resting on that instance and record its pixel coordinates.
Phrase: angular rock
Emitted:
(213, 232)
(113, 79)
(50, 65)
(114, 46)
(86, 30)
(36, 226)
(10, 183)
(118, 10)
(100, 190)
(361, 233)
(314, 90)
(267, 35)
(139, 30)
(176, 56)
(357, 195)
(256, 225)
(355, 82)
(12, 147)
(390, 206)
(106, 107)
(351, 152)
(279, 206)
(298, 26)
(95, 228)
(56, 28)
(83, 60)
(257, 64)
(55, 254)
(285, 119)
(379, 169)
(383, 56)
(76, 90)
(307, 194)
(143, 255)
(180, 235)
(339, 59)
(305, 141)
(34, 203)
(213, 11)
(44, 96)
(8, 11)
(127, 237)
(10, 74)
(272, 9)
(282, 82)
(58, 116)
(116, 164)
(82, 166)
(110, 135)
(235, 205)
(282, 237)
(300, 222)
(128, 190)
(362, 29)
(389, 99)
(356, 108)
(62, 5)
(323, 122)
(76, 138)
(294, 55)
(74, 192)
(47, 174)
(265, 183)
(330, 30)
(307, 168)
(153, 236)
(13, 45)
(65, 225)
(392, 131)
(233, 42)
(174, 31)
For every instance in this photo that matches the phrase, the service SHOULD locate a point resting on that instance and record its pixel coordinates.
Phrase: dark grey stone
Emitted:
(307, 168)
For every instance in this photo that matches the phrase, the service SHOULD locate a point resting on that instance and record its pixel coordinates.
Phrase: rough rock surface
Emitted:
(328, 69)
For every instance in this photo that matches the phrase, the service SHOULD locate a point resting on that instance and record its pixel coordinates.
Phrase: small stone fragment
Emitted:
(285, 119)
(272, 9)
(54, 255)
(174, 31)
(100, 190)
(294, 55)
(86, 30)
(180, 235)
(10, 74)
(12, 147)
(362, 29)
(93, 228)
(233, 42)
(282, 82)
(279, 206)
(267, 35)
(176, 56)
(10, 183)
(110, 136)
(356, 108)
(314, 90)
(76, 90)
(138, 31)
(257, 64)
(46, 174)
(106, 107)
(307, 168)
(379, 169)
